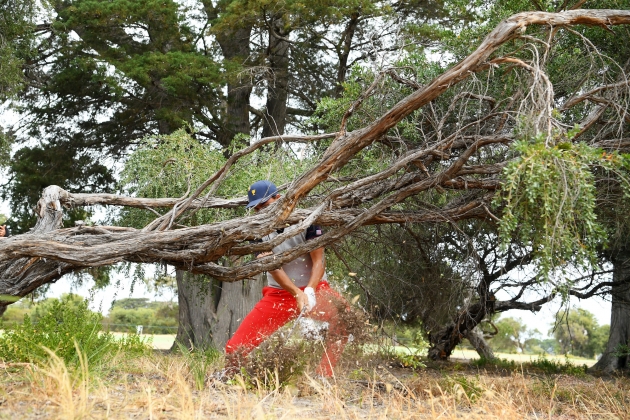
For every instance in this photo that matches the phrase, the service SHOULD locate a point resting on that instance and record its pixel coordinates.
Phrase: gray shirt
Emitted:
(299, 270)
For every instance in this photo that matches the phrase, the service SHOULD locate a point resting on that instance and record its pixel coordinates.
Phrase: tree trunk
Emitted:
(237, 300)
(344, 52)
(211, 311)
(235, 47)
(444, 341)
(276, 112)
(481, 346)
(196, 299)
(619, 317)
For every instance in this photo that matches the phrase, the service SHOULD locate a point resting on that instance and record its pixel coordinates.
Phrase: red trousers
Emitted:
(277, 307)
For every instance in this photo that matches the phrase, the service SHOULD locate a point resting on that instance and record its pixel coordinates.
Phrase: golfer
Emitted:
(298, 284)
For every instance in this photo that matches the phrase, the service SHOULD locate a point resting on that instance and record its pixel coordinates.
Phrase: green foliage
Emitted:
(549, 201)
(6, 141)
(409, 360)
(155, 317)
(57, 326)
(622, 350)
(32, 170)
(579, 333)
(514, 336)
(414, 66)
(550, 367)
(411, 334)
(542, 346)
(541, 364)
(509, 338)
(16, 26)
(497, 362)
(172, 165)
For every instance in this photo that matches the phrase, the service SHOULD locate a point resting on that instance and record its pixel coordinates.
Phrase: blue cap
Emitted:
(260, 192)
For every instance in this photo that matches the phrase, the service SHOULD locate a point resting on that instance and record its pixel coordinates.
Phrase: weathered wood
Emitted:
(21, 275)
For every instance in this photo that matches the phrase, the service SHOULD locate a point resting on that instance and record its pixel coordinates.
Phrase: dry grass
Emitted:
(162, 387)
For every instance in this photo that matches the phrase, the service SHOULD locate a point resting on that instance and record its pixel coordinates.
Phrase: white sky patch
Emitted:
(543, 321)
(137, 33)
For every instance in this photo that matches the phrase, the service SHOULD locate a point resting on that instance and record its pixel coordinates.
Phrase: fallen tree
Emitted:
(466, 159)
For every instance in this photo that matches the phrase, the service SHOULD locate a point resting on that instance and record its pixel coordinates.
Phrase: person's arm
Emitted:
(285, 282)
(3, 231)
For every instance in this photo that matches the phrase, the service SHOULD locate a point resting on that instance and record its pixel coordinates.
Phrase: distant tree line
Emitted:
(575, 332)
(124, 316)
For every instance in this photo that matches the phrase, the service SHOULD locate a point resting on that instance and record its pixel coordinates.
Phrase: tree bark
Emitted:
(445, 340)
(619, 318)
(475, 337)
(237, 300)
(21, 276)
(275, 114)
(211, 311)
(343, 52)
(235, 46)
(196, 310)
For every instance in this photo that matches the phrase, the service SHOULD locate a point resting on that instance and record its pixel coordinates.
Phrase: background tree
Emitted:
(578, 333)
(16, 29)
(155, 317)
(510, 337)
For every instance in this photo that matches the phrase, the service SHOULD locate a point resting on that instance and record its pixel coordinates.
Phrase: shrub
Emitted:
(277, 361)
(498, 363)
(554, 367)
(58, 329)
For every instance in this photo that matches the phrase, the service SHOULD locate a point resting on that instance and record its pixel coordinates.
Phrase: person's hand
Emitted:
(3, 231)
(264, 254)
(310, 294)
(302, 300)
